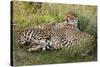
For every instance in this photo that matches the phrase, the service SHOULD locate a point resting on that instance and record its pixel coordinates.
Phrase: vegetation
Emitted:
(26, 14)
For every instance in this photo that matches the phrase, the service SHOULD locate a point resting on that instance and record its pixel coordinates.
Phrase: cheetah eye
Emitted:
(22, 42)
(64, 20)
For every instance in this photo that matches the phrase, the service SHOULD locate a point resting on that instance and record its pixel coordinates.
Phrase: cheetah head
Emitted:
(70, 18)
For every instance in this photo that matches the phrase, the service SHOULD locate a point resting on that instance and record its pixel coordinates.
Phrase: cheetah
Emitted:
(35, 38)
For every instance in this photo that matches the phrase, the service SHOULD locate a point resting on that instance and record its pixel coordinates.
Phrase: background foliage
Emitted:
(26, 14)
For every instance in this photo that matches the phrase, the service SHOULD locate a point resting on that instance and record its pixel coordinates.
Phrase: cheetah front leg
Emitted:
(34, 48)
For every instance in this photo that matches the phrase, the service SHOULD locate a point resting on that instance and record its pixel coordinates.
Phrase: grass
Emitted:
(22, 57)
(26, 14)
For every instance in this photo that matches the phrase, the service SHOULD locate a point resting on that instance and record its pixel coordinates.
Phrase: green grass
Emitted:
(22, 57)
(26, 14)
